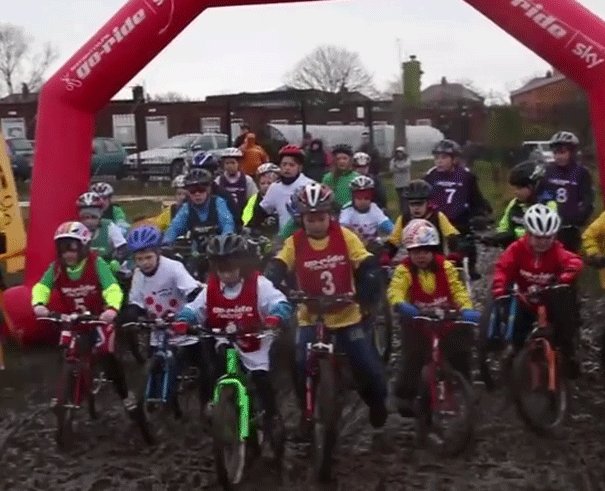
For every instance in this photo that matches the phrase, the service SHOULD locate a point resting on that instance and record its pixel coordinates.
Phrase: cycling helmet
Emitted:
(564, 138)
(223, 246)
(198, 177)
(526, 174)
(449, 147)
(73, 230)
(420, 233)
(89, 200)
(361, 159)
(417, 190)
(232, 153)
(204, 160)
(541, 221)
(179, 182)
(267, 169)
(315, 197)
(361, 183)
(342, 148)
(292, 151)
(103, 189)
(144, 237)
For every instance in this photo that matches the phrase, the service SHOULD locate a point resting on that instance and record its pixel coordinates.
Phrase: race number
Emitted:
(561, 195)
(327, 283)
(450, 192)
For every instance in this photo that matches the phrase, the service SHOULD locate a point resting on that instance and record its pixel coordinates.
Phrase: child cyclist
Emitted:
(266, 174)
(537, 260)
(111, 211)
(328, 259)
(162, 221)
(416, 196)
(361, 165)
(83, 282)
(161, 287)
(240, 296)
(362, 215)
(425, 279)
(233, 180)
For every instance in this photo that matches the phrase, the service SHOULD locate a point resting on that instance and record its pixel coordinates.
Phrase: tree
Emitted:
(170, 96)
(20, 62)
(331, 69)
(393, 86)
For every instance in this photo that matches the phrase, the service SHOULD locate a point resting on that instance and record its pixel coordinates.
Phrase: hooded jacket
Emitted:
(316, 161)
(254, 155)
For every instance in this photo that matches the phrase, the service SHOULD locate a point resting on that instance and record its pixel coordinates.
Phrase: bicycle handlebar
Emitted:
(220, 333)
(437, 314)
(73, 318)
(323, 300)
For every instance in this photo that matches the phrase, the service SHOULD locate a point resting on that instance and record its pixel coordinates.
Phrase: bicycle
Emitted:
(444, 394)
(322, 388)
(80, 379)
(164, 384)
(236, 415)
(539, 386)
(191, 251)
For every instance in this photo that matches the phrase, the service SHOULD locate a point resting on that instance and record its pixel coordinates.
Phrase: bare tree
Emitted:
(170, 96)
(331, 69)
(20, 63)
(393, 86)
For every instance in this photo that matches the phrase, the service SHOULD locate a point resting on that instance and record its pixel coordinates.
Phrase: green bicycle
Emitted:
(236, 415)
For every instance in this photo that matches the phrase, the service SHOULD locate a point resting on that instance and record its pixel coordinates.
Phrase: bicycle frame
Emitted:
(510, 322)
(166, 356)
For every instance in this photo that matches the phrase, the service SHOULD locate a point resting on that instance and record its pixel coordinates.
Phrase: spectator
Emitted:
(307, 141)
(341, 175)
(372, 151)
(244, 129)
(400, 166)
(317, 160)
(254, 155)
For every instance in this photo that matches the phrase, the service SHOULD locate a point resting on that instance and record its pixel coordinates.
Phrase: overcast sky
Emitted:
(250, 48)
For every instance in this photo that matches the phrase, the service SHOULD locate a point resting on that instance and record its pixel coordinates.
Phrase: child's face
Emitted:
(316, 224)
(364, 170)
(146, 261)
(289, 167)
(541, 244)
(562, 156)
(342, 161)
(231, 166)
(444, 162)
(421, 258)
(418, 209)
(180, 196)
(265, 181)
(362, 200)
(522, 193)
(105, 201)
(228, 273)
(92, 222)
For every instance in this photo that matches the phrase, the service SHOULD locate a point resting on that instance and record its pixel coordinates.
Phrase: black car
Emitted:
(21, 154)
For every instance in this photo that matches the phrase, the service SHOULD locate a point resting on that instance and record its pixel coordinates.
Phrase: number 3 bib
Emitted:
(326, 272)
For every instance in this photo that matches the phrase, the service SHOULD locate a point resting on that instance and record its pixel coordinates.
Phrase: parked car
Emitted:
(108, 156)
(21, 154)
(170, 158)
(539, 150)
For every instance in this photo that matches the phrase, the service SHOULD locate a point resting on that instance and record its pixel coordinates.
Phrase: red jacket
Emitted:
(520, 264)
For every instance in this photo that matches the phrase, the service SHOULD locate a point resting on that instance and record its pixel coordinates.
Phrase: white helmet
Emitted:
(73, 230)
(232, 153)
(361, 183)
(179, 182)
(89, 200)
(102, 189)
(420, 233)
(266, 169)
(541, 221)
(361, 159)
(564, 138)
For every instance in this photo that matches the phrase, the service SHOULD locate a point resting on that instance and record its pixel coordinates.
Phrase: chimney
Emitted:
(443, 81)
(138, 94)
(24, 91)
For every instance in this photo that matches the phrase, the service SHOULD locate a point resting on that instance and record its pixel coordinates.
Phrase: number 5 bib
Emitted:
(324, 272)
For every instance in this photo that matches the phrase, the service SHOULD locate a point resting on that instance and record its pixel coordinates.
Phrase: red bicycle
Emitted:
(445, 401)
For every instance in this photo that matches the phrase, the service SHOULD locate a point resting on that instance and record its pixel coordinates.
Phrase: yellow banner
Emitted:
(11, 221)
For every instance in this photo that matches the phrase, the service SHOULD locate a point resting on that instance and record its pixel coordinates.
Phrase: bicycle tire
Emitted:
(540, 420)
(382, 329)
(229, 450)
(64, 435)
(447, 441)
(326, 416)
(97, 380)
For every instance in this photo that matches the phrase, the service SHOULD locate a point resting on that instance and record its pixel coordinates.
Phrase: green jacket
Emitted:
(340, 186)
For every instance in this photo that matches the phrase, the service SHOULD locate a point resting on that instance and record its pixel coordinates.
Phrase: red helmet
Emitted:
(315, 197)
(292, 151)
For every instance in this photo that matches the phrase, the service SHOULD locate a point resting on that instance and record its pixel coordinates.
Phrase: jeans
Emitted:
(356, 343)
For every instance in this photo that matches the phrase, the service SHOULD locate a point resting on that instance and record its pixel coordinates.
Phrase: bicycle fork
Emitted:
(551, 359)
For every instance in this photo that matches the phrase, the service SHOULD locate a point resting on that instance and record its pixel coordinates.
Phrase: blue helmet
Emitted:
(204, 160)
(144, 237)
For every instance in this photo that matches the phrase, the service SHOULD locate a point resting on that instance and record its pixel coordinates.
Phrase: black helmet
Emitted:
(417, 189)
(198, 177)
(526, 173)
(342, 148)
(226, 246)
(449, 147)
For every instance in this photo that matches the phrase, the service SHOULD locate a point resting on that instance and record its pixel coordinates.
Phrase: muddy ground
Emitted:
(111, 455)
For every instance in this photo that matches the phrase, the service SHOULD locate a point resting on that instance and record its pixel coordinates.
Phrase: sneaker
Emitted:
(130, 403)
(378, 415)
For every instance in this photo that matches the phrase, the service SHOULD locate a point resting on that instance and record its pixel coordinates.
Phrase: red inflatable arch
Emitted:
(561, 31)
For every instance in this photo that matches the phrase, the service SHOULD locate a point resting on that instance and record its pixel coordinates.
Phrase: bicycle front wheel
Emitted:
(65, 407)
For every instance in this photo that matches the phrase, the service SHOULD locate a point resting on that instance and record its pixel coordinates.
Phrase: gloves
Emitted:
(41, 311)
(180, 328)
(567, 277)
(469, 315)
(108, 316)
(407, 309)
(270, 221)
(272, 322)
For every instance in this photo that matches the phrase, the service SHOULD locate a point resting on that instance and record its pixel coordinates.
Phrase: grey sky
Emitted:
(250, 48)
